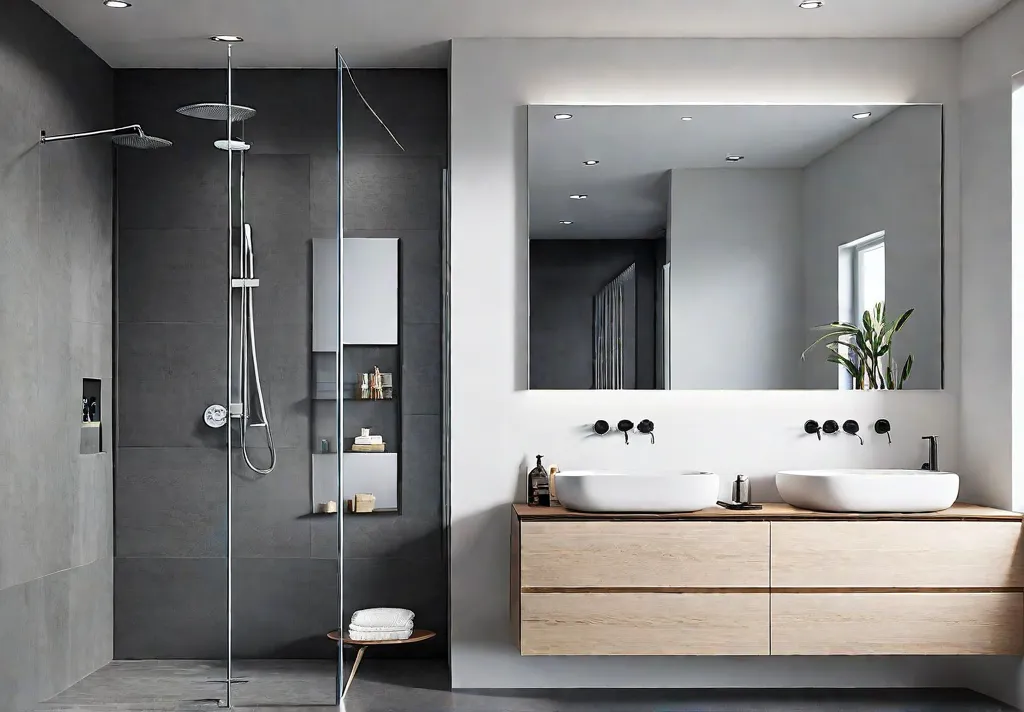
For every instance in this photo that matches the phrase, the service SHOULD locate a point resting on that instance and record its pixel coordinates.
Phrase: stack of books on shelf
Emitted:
(368, 443)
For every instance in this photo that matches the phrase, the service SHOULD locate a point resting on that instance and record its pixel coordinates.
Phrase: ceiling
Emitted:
(414, 33)
(637, 146)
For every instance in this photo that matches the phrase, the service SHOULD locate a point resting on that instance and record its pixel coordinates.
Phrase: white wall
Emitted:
(992, 273)
(496, 425)
(734, 245)
(887, 177)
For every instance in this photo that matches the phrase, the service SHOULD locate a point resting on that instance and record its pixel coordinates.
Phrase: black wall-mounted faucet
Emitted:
(830, 427)
(852, 427)
(811, 427)
(647, 428)
(883, 427)
(625, 426)
(601, 427)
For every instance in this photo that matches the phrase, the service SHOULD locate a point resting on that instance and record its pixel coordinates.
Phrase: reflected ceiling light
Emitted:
(686, 118)
(734, 159)
(227, 38)
(862, 115)
(117, 3)
(578, 196)
(562, 117)
(591, 162)
(565, 222)
(811, 4)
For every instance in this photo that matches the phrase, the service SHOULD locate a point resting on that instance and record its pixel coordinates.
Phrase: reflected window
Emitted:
(861, 284)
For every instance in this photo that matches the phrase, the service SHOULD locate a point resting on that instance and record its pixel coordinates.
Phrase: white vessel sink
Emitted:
(869, 490)
(595, 491)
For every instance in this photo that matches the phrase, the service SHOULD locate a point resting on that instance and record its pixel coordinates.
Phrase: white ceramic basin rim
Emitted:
(624, 492)
(867, 490)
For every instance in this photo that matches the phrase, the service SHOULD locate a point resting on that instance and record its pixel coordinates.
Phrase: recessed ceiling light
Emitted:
(227, 38)
(565, 222)
(734, 159)
(562, 117)
(117, 3)
(862, 115)
(811, 4)
(591, 162)
(686, 118)
(578, 196)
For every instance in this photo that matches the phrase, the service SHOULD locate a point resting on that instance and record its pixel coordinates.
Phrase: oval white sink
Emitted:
(596, 491)
(868, 491)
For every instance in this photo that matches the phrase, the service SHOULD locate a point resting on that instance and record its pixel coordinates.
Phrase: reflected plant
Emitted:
(865, 351)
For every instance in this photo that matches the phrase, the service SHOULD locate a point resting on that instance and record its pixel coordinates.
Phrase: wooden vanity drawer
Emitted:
(603, 554)
(914, 555)
(897, 623)
(645, 624)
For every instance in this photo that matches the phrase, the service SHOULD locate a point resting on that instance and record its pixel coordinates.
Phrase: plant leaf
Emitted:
(846, 363)
(906, 370)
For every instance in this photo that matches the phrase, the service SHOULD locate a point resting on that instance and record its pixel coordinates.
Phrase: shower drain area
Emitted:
(91, 439)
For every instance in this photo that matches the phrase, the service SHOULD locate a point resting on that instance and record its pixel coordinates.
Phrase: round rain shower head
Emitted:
(217, 112)
(233, 145)
(140, 141)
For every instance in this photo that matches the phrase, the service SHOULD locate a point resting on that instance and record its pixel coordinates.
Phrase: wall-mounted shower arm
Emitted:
(122, 131)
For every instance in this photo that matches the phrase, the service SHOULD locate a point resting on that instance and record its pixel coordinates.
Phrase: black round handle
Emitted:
(830, 427)
(625, 426)
(811, 427)
(646, 426)
(601, 427)
(851, 427)
(882, 426)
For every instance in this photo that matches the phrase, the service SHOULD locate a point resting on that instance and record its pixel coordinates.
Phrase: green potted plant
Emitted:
(865, 351)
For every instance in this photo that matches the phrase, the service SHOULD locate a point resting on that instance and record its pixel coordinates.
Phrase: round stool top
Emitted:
(418, 636)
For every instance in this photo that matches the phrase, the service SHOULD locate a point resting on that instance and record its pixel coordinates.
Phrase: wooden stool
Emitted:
(418, 636)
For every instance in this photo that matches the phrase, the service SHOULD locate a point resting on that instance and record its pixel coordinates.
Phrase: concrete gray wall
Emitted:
(734, 246)
(55, 321)
(170, 487)
(565, 276)
(887, 177)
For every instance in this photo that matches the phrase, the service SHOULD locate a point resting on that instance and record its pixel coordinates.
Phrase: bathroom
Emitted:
(151, 548)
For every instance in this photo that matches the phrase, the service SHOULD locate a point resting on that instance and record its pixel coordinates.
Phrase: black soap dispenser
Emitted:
(539, 486)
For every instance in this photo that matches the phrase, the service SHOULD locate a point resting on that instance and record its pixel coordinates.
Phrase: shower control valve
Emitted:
(216, 416)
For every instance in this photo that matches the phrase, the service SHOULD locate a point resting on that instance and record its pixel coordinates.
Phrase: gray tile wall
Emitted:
(170, 482)
(55, 329)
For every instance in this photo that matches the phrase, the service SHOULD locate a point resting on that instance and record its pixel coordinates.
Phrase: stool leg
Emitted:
(355, 668)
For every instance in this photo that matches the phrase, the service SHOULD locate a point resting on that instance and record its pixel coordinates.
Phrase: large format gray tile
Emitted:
(19, 669)
(171, 502)
(168, 375)
(421, 466)
(93, 521)
(421, 369)
(54, 652)
(90, 629)
(173, 275)
(283, 608)
(413, 104)
(271, 512)
(170, 608)
(392, 192)
(421, 278)
(172, 189)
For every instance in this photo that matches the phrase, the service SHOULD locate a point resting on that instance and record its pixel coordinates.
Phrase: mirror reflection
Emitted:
(709, 247)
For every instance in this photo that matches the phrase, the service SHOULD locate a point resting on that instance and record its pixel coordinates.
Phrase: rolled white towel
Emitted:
(378, 628)
(380, 635)
(393, 617)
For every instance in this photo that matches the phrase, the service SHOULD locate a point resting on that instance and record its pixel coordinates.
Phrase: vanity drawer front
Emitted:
(863, 554)
(897, 623)
(645, 624)
(645, 554)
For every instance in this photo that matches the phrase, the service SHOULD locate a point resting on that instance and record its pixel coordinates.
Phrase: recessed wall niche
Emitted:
(91, 441)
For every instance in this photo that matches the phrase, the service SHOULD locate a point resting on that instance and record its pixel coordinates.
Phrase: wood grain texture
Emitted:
(897, 555)
(645, 624)
(515, 587)
(645, 554)
(772, 511)
(897, 624)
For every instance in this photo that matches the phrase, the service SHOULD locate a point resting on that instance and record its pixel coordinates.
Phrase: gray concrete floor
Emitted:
(420, 686)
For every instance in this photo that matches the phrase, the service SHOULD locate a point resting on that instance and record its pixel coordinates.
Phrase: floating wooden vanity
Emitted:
(778, 581)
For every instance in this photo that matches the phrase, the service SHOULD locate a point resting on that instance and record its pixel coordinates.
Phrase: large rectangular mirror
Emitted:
(695, 247)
